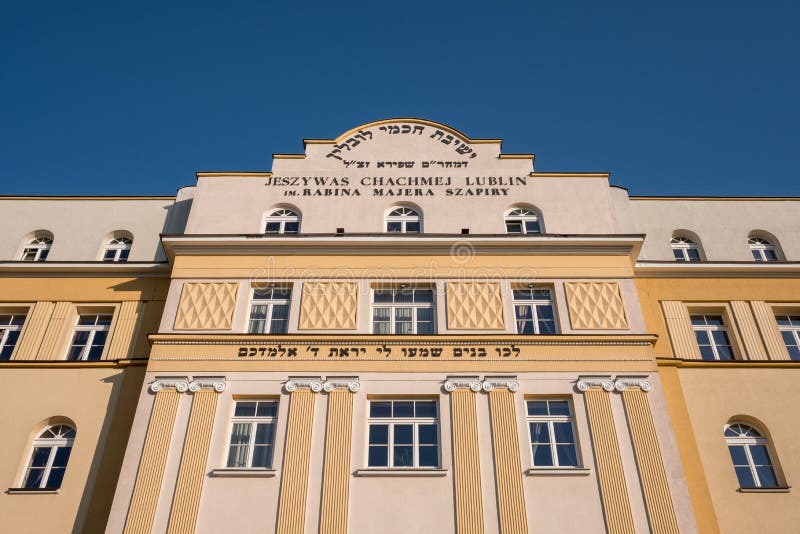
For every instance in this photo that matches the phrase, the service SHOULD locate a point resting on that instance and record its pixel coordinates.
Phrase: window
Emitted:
(750, 457)
(403, 311)
(684, 249)
(789, 326)
(533, 308)
(48, 463)
(118, 249)
(253, 434)
(282, 221)
(712, 337)
(37, 249)
(90, 337)
(523, 221)
(404, 220)
(552, 433)
(10, 327)
(403, 433)
(762, 250)
(269, 310)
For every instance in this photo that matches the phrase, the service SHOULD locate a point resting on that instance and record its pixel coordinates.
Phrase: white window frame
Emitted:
(282, 216)
(393, 306)
(118, 245)
(684, 244)
(405, 215)
(759, 246)
(7, 328)
(708, 328)
(54, 444)
(522, 215)
(550, 420)
(270, 303)
(793, 329)
(92, 329)
(415, 422)
(746, 443)
(534, 304)
(41, 245)
(253, 421)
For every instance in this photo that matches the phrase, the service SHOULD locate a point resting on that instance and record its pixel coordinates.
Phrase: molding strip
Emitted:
(34, 330)
(149, 478)
(466, 458)
(768, 327)
(679, 325)
(653, 475)
(122, 342)
(296, 457)
(748, 330)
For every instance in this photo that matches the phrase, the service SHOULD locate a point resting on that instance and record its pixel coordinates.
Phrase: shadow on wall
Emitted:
(176, 219)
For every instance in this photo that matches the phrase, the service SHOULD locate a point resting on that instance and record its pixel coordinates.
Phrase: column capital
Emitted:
(624, 382)
(342, 382)
(313, 383)
(587, 382)
(457, 382)
(508, 382)
(178, 383)
(215, 382)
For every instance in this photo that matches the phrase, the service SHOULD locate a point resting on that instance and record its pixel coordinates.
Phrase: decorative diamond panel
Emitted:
(206, 306)
(474, 306)
(329, 306)
(595, 306)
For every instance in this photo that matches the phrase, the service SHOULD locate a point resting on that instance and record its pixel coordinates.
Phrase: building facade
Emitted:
(400, 330)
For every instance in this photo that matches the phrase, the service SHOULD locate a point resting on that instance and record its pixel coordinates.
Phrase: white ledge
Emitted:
(32, 491)
(400, 472)
(558, 471)
(780, 489)
(237, 472)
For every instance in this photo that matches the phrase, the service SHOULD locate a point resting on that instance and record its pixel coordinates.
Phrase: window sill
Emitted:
(32, 491)
(783, 489)
(234, 472)
(381, 472)
(558, 471)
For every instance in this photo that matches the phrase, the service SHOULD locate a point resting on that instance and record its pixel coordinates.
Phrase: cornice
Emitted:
(745, 269)
(95, 268)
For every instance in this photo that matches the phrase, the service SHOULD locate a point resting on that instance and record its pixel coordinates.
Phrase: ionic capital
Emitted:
(587, 382)
(625, 382)
(178, 383)
(350, 383)
(215, 382)
(508, 382)
(459, 382)
(313, 384)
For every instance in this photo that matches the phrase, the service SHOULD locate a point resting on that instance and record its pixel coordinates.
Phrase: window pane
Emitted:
(514, 227)
(278, 326)
(394, 227)
(542, 455)
(267, 409)
(40, 456)
(693, 254)
(258, 312)
(537, 408)
(539, 433)
(55, 478)
(766, 477)
(383, 296)
(380, 409)
(525, 327)
(381, 328)
(262, 456)
(378, 434)
(403, 409)
(403, 434)
(403, 328)
(378, 456)
(745, 477)
(412, 226)
(523, 312)
(237, 456)
(532, 227)
(291, 227)
(707, 352)
(423, 295)
(403, 314)
(547, 326)
(34, 478)
(425, 328)
(425, 314)
(737, 454)
(62, 456)
(428, 435)
(522, 294)
(563, 432)
(265, 433)
(273, 227)
(429, 456)
(280, 311)
(425, 408)
(759, 454)
(403, 456)
(714, 320)
(770, 255)
(567, 456)
(245, 409)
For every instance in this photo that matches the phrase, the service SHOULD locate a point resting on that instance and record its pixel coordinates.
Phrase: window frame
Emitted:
(282, 216)
(54, 444)
(793, 329)
(253, 421)
(393, 306)
(270, 303)
(41, 244)
(524, 216)
(403, 219)
(759, 246)
(550, 420)
(7, 328)
(683, 244)
(92, 329)
(707, 329)
(121, 246)
(746, 443)
(415, 423)
(534, 305)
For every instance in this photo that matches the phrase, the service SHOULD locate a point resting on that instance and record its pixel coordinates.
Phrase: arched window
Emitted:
(49, 458)
(748, 449)
(118, 248)
(523, 221)
(404, 220)
(684, 249)
(761, 249)
(38, 248)
(282, 221)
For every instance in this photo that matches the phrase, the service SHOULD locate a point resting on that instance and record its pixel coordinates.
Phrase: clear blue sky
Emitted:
(132, 97)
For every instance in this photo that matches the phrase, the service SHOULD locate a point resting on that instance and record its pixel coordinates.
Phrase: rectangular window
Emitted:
(712, 337)
(253, 434)
(10, 327)
(552, 433)
(89, 338)
(789, 326)
(403, 311)
(533, 308)
(403, 433)
(269, 310)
